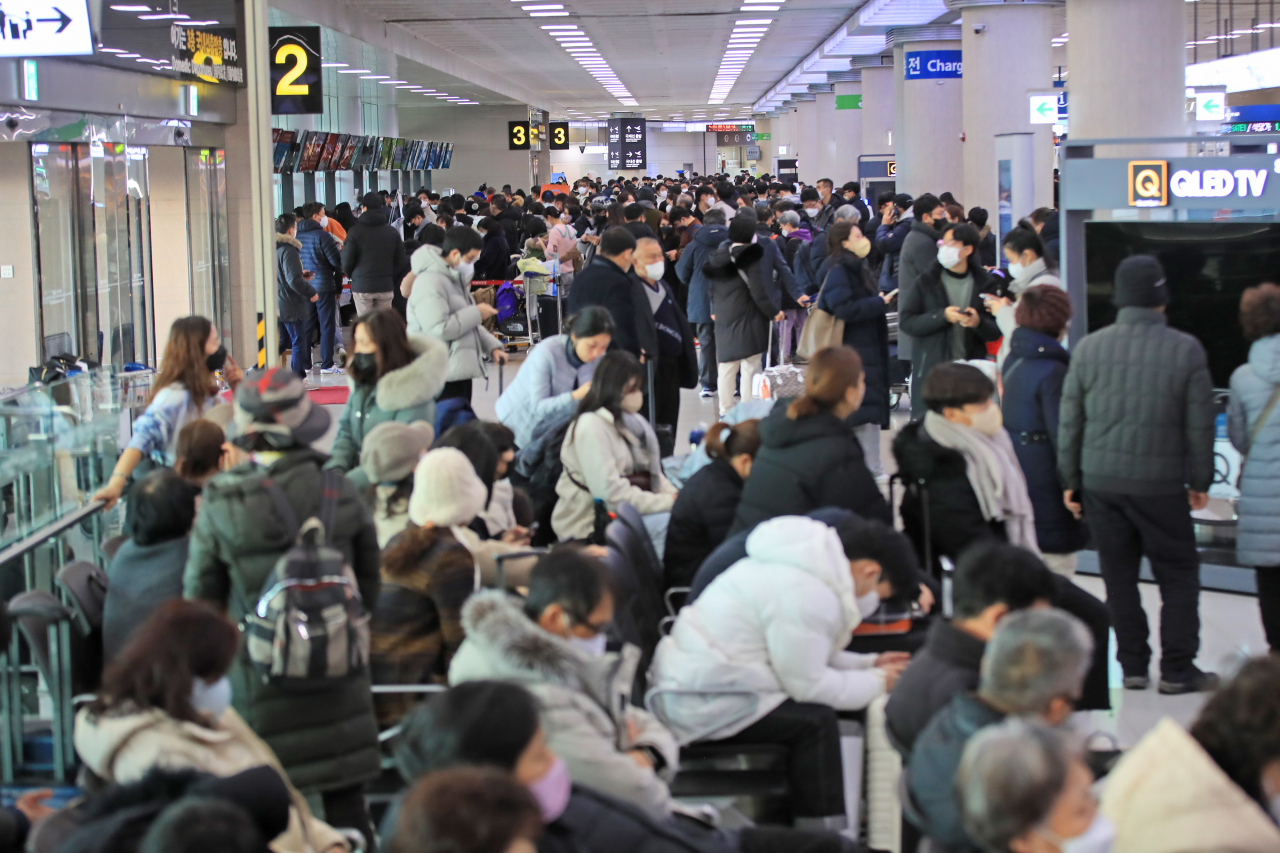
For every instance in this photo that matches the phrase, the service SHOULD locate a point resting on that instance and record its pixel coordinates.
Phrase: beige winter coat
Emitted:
(1168, 796)
(156, 739)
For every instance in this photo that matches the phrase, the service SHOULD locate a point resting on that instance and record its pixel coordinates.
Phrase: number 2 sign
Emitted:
(297, 86)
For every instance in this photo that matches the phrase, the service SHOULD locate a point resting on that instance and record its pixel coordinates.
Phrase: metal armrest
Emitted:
(671, 593)
(500, 572)
(409, 688)
(653, 704)
(354, 837)
(664, 625)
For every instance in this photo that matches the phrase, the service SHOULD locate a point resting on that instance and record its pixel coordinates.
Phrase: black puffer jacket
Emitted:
(846, 296)
(806, 464)
(373, 253)
(596, 823)
(741, 307)
(1137, 410)
(700, 519)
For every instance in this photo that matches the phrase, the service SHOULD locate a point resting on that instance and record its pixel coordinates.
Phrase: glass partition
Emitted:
(210, 253)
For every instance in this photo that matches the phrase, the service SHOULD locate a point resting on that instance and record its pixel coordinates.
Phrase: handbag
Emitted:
(823, 329)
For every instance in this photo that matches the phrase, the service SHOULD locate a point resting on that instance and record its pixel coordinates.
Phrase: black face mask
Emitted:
(215, 360)
(363, 368)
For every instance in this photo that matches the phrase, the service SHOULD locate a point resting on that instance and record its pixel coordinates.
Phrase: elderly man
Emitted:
(675, 362)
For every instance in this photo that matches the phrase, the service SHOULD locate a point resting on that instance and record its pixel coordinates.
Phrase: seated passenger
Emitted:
(1033, 666)
(991, 581)
(610, 453)
(147, 569)
(775, 626)
(427, 574)
(556, 374)
(390, 453)
(809, 455)
(166, 702)
(704, 512)
(468, 810)
(1215, 788)
(1025, 787)
(499, 515)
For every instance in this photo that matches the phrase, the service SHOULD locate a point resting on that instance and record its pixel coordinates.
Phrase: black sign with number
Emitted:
(297, 86)
(558, 135)
(518, 135)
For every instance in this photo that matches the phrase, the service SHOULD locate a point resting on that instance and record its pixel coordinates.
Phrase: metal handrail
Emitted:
(50, 530)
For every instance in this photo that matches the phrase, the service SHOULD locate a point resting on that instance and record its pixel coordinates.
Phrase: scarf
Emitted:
(994, 474)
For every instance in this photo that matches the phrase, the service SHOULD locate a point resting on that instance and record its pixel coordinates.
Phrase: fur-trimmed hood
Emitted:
(285, 239)
(504, 644)
(418, 382)
(728, 259)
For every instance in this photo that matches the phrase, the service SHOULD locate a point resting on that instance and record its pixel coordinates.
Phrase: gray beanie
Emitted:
(391, 450)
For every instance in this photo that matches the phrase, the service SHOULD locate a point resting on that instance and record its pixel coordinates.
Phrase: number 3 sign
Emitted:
(297, 86)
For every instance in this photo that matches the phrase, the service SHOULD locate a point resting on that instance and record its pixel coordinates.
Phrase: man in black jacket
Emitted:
(605, 282)
(852, 195)
(992, 580)
(508, 215)
(1136, 433)
(372, 255)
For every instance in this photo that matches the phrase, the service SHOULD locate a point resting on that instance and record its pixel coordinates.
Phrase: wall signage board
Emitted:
(753, 152)
(1044, 109)
(297, 86)
(32, 28)
(558, 135)
(933, 65)
(848, 102)
(517, 136)
(1240, 182)
(627, 144)
(211, 55)
(724, 137)
(730, 128)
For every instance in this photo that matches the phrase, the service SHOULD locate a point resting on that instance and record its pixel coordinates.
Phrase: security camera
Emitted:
(11, 123)
(979, 29)
(582, 149)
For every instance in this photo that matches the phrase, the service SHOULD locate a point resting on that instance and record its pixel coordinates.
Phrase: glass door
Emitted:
(209, 253)
(66, 274)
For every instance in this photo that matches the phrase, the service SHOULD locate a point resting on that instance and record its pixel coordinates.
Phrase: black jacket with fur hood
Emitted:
(740, 302)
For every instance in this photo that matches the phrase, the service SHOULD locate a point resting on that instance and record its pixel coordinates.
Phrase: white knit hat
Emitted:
(446, 489)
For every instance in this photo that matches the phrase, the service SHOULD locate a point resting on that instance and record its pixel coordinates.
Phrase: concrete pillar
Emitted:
(828, 165)
(877, 109)
(20, 293)
(170, 268)
(807, 141)
(847, 134)
(1007, 58)
(929, 116)
(1119, 87)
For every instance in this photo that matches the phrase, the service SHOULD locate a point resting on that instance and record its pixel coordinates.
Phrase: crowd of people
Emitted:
(275, 613)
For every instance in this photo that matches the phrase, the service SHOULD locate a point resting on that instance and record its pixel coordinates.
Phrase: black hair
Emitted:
(284, 222)
(837, 234)
(992, 572)
(431, 234)
(742, 228)
(947, 198)
(1020, 239)
(676, 213)
(488, 223)
(163, 507)
(616, 241)
(473, 440)
(810, 194)
(872, 539)
(705, 189)
(725, 192)
(591, 321)
(925, 204)
(850, 187)
(311, 208)
(964, 233)
(500, 434)
(463, 239)
(466, 810)
(978, 216)
(204, 824)
(486, 723)
(616, 371)
(499, 201)
(632, 212)
(884, 198)
(1240, 725)
(412, 210)
(952, 385)
(568, 577)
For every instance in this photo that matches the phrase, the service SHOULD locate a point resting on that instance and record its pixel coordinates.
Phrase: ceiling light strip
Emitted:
(578, 45)
(742, 43)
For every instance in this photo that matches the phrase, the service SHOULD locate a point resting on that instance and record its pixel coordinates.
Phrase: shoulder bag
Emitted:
(823, 329)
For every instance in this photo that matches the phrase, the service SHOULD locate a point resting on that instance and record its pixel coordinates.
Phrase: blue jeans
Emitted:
(327, 312)
(300, 341)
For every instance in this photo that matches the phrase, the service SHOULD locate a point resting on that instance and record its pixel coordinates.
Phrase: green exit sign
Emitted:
(761, 137)
(848, 102)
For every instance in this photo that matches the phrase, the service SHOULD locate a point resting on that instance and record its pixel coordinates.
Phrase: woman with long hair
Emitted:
(393, 376)
(183, 391)
(809, 455)
(610, 453)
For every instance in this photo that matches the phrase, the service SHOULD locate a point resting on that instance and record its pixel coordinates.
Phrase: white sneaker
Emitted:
(330, 371)
(882, 479)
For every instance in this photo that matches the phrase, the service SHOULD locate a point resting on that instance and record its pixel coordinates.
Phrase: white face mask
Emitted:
(948, 256)
(1016, 269)
(653, 272)
(211, 699)
(989, 421)
(435, 207)
(1098, 838)
(868, 604)
(633, 402)
(593, 648)
(324, 221)
(662, 194)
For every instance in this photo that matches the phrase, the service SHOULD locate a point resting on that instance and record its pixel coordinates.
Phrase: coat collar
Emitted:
(1133, 315)
(286, 240)
(418, 382)
(952, 645)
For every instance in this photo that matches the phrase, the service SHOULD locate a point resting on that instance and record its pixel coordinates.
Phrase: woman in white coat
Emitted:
(769, 634)
(610, 453)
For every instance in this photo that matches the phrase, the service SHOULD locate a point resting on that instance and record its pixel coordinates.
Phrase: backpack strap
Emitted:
(282, 505)
(331, 483)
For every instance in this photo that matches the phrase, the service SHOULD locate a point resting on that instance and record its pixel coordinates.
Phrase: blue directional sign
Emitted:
(933, 65)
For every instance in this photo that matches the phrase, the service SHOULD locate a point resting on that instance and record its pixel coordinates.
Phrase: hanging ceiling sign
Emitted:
(45, 29)
(297, 86)
(211, 55)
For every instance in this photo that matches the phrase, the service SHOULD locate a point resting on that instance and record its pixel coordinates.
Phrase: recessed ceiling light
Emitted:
(407, 87)
(391, 82)
(355, 71)
(128, 55)
(333, 65)
(559, 27)
(132, 8)
(200, 23)
(759, 9)
(110, 50)
(444, 96)
(548, 14)
(542, 7)
(373, 77)
(152, 61)
(755, 21)
(164, 17)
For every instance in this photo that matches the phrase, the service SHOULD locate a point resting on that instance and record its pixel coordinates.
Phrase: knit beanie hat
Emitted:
(1140, 283)
(446, 489)
(391, 450)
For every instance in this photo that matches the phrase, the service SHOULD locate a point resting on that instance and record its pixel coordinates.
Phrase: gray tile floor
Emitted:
(1230, 630)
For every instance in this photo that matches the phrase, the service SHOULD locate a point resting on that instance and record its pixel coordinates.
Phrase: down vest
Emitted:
(1137, 410)
(1258, 536)
(774, 625)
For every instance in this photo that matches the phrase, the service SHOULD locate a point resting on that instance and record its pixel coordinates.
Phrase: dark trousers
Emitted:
(707, 355)
(345, 808)
(1096, 695)
(1125, 528)
(327, 313)
(1269, 604)
(815, 771)
(300, 341)
(458, 389)
(666, 393)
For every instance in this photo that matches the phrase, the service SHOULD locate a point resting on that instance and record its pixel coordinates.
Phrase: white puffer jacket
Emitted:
(776, 625)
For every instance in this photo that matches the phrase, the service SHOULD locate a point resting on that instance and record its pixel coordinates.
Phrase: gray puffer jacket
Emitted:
(919, 253)
(440, 306)
(1137, 410)
(1258, 536)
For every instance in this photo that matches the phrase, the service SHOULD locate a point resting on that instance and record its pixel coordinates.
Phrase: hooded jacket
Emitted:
(320, 255)
(1167, 795)
(805, 464)
(587, 714)
(405, 395)
(326, 738)
(700, 520)
(775, 627)
(544, 387)
(293, 292)
(373, 253)
(440, 307)
(495, 256)
(919, 254)
(866, 330)
(740, 301)
(1258, 531)
(705, 241)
